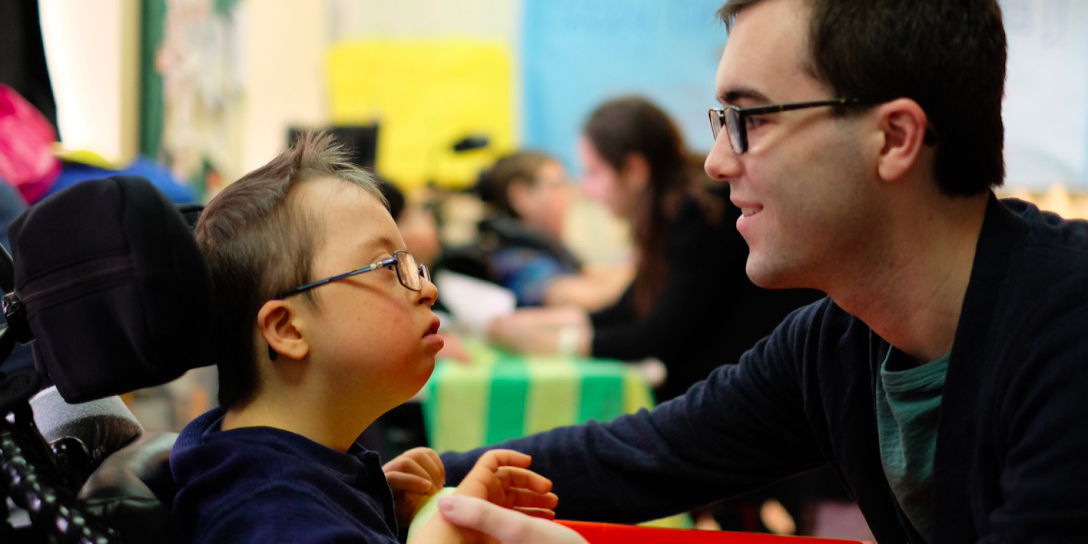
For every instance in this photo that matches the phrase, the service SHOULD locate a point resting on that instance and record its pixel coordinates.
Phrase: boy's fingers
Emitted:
(542, 513)
(480, 483)
(406, 465)
(430, 462)
(521, 477)
(423, 461)
(493, 459)
(530, 499)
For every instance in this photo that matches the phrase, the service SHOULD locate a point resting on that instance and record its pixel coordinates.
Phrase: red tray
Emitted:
(609, 533)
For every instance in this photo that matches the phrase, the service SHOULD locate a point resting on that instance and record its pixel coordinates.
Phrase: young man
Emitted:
(942, 378)
(312, 346)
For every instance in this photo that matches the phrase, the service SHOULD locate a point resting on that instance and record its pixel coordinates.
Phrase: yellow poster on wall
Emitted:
(426, 96)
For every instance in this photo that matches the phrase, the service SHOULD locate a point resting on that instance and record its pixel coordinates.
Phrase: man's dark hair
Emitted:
(946, 55)
(258, 242)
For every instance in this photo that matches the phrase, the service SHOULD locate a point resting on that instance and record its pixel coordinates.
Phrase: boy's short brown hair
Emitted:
(258, 242)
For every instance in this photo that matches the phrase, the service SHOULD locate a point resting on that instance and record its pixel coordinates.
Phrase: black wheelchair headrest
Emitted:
(116, 292)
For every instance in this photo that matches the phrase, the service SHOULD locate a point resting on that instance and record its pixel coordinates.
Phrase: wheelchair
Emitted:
(107, 285)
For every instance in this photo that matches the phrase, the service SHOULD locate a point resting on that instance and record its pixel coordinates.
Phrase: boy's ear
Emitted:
(275, 321)
(903, 125)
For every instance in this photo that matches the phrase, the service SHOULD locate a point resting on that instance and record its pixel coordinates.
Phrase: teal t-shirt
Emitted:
(908, 399)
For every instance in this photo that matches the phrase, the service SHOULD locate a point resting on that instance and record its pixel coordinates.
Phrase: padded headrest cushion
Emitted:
(116, 291)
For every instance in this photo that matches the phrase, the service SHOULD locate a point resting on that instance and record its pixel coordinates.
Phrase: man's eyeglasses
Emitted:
(410, 273)
(733, 118)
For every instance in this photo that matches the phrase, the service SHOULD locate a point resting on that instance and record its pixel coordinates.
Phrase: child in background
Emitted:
(311, 349)
(528, 194)
(520, 243)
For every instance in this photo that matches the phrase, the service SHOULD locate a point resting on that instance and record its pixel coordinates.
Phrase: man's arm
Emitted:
(741, 428)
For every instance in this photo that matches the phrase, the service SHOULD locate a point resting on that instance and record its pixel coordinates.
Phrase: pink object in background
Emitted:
(26, 146)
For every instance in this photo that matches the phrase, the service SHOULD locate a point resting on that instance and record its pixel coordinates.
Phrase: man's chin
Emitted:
(769, 277)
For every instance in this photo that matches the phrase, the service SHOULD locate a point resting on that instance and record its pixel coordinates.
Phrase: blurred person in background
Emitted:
(521, 244)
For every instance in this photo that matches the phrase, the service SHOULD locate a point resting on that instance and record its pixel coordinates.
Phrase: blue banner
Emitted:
(579, 53)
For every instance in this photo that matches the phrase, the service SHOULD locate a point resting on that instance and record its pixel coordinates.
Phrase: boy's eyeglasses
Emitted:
(732, 118)
(410, 273)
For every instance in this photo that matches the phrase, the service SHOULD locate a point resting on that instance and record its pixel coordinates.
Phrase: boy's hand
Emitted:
(502, 477)
(413, 476)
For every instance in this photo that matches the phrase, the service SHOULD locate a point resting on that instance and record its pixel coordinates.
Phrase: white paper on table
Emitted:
(473, 302)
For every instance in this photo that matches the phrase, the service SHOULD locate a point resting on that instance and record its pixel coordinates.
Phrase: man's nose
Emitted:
(722, 164)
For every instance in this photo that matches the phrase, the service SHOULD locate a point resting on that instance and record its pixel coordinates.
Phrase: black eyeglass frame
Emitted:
(732, 117)
(395, 262)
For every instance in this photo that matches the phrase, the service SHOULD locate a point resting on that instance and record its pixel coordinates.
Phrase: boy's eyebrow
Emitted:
(381, 242)
(732, 96)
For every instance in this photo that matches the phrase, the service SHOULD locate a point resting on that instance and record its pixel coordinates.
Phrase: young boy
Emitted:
(311, 349)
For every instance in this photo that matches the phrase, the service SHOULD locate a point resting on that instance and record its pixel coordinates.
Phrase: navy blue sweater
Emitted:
(1012, 449)
(266, 485)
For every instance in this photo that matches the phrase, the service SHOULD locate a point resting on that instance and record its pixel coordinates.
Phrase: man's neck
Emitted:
(913, 295)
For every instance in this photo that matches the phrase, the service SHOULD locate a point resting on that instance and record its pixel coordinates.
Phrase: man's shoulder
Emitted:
(1049, 229)
(1052, 258)
(817, 332)
(821, 316)
(1032, 285)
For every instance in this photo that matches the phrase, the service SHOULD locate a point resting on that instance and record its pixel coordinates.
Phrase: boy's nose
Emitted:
(428, 294)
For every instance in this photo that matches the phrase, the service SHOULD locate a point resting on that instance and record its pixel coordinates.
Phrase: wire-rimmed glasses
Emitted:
(410, 273)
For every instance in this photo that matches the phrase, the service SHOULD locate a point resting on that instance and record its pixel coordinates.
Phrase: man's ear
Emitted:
(276, 323)
(636, 171)
(903, 124)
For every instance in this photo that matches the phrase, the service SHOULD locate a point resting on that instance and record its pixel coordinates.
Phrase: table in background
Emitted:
(501, 395)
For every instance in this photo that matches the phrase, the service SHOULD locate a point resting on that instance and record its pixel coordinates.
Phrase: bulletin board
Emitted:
(425, 95)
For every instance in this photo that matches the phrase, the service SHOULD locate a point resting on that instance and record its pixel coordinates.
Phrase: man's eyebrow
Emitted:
(734, 95)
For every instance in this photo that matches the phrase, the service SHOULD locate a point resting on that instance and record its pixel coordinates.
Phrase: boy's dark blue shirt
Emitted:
(262, 484)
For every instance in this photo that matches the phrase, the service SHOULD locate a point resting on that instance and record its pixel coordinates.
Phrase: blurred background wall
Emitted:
(210, 87)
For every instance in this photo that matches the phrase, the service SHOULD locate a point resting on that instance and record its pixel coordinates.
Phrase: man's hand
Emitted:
(505, 526)
(414, 476)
